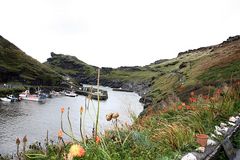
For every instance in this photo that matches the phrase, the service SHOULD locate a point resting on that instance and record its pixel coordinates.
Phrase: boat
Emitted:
(9, 98)
(92, 93)
(32, 97)
(5, 99)
(70, 94)
(55, 94)
(102, 96)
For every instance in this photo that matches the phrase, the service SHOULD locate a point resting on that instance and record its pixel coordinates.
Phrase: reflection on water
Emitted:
(34, 119)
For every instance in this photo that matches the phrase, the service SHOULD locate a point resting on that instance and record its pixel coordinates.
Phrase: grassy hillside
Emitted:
(196, 69)
(82, 72)
(190, 71)
(16, 66)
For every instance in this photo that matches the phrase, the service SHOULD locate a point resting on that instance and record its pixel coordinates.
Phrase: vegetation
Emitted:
(167, 133)
(70, 65)
(9, 91)
(16, 66)
(204, 84)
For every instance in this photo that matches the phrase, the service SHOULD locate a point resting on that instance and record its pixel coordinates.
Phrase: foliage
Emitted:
(164, 134)
(16, 66)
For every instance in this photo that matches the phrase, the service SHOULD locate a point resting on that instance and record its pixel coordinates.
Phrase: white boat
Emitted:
(55, 94)
(32, 97)
(70, 94)
(9, 98)
(5, 99)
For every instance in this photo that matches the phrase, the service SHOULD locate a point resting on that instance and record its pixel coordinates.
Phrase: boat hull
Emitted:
(5, 100)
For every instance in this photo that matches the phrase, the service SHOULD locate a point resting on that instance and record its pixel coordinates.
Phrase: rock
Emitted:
(218, 133)
(189, 156)
(213, 136)
(232, 124)
(201, 149)
(183, 65)
(146, 100)
(223, 125)
(211, 142)
(160, 61)
(232, 119)
(231, 39)
(222, 130)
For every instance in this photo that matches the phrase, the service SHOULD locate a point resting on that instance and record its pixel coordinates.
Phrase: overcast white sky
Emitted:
(117, 32)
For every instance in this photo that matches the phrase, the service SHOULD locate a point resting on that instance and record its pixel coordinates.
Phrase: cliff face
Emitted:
(16, 66)
(72, 67)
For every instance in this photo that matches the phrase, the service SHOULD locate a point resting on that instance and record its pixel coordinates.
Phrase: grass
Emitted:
(162, 134)
(15, 65)
(221, 73)
(134, 76)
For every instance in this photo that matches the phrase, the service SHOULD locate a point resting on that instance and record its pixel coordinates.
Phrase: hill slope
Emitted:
(16, 66)
(81, 72)
(191, 71)
(196, 70)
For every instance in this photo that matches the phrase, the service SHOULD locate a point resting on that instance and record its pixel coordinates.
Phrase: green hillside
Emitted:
(16, 66)
(189, 71)
(197, 69)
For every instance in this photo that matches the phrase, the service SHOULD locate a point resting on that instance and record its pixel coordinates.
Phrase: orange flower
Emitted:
(98, 139)
(76, 151)
(81, 109)
(179, 107)
(192, 100)
(188, 107)
(60, 134)
(62, 110)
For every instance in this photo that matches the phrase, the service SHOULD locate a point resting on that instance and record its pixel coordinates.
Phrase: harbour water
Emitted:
(35, 119)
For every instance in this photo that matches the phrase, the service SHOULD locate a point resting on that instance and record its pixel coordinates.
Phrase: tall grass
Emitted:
(164, 134)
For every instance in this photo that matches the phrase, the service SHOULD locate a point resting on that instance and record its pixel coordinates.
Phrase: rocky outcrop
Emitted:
(159, 61)
(210, 48)
(231, 39)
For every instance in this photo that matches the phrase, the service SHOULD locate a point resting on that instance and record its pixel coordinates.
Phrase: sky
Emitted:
(113, 33)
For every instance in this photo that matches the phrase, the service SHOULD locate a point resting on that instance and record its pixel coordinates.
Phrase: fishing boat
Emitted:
(70, 94)
(9, 98)
(93, 93)
(32, 97)
(101, 95)
(5, 99)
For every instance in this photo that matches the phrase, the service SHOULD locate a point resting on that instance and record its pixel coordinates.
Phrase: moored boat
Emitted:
(9, 98)
(32, 97)
(5, 99)
(70, 94)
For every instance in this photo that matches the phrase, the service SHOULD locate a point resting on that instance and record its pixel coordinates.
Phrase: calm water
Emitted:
(34, 119)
